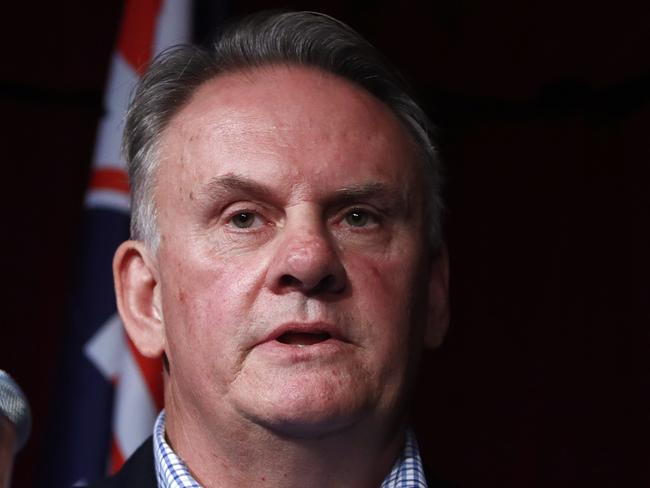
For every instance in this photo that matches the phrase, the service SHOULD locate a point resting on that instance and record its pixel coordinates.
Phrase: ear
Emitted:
(438, 318)
(138, 297)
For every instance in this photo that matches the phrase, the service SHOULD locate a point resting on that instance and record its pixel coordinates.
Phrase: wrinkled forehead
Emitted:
(284, 94)
(301, 120)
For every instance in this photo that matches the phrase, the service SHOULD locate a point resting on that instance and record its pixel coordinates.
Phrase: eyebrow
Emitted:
(220, 187)
(223, 186)
(377, 191)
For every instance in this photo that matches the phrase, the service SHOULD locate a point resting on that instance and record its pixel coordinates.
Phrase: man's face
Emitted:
(293, 272)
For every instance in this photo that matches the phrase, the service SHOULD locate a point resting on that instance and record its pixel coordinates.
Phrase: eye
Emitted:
(245, 220)
(359, 218)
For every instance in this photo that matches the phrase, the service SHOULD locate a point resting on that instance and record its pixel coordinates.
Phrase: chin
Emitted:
(310, 410)
(309, 424)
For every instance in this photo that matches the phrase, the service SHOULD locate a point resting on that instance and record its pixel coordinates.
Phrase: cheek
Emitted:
(389, 291)
(205, 300)
(196, 283)
(385, 278)
(388, 297)
(200, 340)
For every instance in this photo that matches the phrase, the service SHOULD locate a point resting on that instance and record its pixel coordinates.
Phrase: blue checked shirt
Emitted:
(171, 471)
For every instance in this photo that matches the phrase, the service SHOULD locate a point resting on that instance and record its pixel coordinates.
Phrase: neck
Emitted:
(241, 453)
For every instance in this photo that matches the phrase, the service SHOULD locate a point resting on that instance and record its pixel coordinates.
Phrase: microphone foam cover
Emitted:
(14, 406)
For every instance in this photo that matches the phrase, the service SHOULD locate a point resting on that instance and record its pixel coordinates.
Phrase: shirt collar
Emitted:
(172, 472)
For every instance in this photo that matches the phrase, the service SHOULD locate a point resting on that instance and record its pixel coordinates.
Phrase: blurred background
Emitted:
(543, 115)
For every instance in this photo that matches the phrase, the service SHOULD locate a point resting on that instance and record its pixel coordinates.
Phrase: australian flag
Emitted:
(109, 395)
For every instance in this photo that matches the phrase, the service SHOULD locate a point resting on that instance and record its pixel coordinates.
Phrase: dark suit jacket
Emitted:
(139, 472)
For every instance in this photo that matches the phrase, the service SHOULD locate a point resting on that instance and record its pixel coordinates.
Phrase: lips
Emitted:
(303, 338)
(303, 334)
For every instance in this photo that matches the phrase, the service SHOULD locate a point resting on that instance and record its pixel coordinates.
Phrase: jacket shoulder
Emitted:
(138, 471)
(434, 481)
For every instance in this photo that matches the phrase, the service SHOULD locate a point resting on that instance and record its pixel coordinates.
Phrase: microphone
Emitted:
(14, 406)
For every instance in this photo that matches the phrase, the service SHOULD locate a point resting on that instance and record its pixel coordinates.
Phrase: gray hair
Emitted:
(299, 38)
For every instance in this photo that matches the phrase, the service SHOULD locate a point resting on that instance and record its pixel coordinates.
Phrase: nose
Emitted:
(307, 261)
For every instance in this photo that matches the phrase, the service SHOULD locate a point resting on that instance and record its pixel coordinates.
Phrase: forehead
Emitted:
(290, 121)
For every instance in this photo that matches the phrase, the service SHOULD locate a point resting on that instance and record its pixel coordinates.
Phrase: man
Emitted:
(286, 259)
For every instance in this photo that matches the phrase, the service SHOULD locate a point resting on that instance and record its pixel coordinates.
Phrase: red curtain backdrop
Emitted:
(543, 113)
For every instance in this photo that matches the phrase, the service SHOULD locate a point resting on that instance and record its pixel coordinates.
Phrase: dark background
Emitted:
(544, 117)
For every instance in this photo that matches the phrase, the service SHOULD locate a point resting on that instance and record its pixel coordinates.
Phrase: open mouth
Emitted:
(303, 338)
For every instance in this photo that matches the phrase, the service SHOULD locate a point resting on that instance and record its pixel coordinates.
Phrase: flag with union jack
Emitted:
(109, 395)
